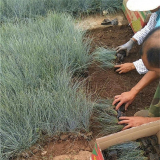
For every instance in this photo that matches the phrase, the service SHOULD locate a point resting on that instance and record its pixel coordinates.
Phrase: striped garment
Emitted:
(139, 36)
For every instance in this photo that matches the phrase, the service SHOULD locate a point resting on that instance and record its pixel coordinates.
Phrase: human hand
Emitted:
(132, 121)
(124, 68)
(127, 46)
(125, 98)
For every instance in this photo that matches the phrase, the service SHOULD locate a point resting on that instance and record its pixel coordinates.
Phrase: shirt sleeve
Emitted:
(140, 67)
(140, 35)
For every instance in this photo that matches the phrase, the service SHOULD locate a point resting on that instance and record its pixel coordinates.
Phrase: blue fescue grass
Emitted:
(111, 6)
(105, 57)
(38, 60)
(105, 116)
(15, 9)
(130, 150)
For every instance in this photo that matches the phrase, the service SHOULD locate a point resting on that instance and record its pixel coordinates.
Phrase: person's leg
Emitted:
(142, 113)
(154, 110)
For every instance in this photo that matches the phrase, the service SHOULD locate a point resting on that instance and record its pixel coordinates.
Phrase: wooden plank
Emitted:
(134, 133)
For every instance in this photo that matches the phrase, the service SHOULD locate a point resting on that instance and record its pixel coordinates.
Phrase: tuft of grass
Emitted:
(107, 109)
(132, 145)
(133, 155)
(22, 9)
(105, 116)
(111, 6)
(129, 150)
(106, 129)
(38, 59)
(105, 57)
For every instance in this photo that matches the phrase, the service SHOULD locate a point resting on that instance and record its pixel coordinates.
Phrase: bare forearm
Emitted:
(146, 80)
(128, 97)
(151, 119)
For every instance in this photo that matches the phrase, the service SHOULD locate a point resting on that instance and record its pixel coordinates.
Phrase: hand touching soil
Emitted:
(124, 68)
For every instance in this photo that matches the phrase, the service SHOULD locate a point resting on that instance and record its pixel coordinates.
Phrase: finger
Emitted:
(115, 101)
(123, 122)
(126, 106)
(117, 70)
(124, 118)
(119, 104)
(127, 53)
(127, 127)
(117, 66)
(121, 72)
(117, 96)
(118, 48)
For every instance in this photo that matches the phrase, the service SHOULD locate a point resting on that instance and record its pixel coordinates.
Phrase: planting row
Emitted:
(14, 9)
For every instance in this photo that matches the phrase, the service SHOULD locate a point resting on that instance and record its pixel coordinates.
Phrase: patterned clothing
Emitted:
(140, 35)
(140, 67)
(158, 19)
(154, 110)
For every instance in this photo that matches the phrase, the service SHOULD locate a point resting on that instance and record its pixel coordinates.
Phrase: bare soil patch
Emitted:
(107, 83)
(94, 21)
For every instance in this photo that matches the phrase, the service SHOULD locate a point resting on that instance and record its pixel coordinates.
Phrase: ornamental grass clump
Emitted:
(105, 116)
(105, 57)
(38, 60)
(54, 40)
(129, 150)
(12, 10)
(24, 9)
(111, 6)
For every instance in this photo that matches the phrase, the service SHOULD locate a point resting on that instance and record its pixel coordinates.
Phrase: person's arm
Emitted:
(149, 77)
(128, 97)
(140, 35)
(126, 67)
(136, 121)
